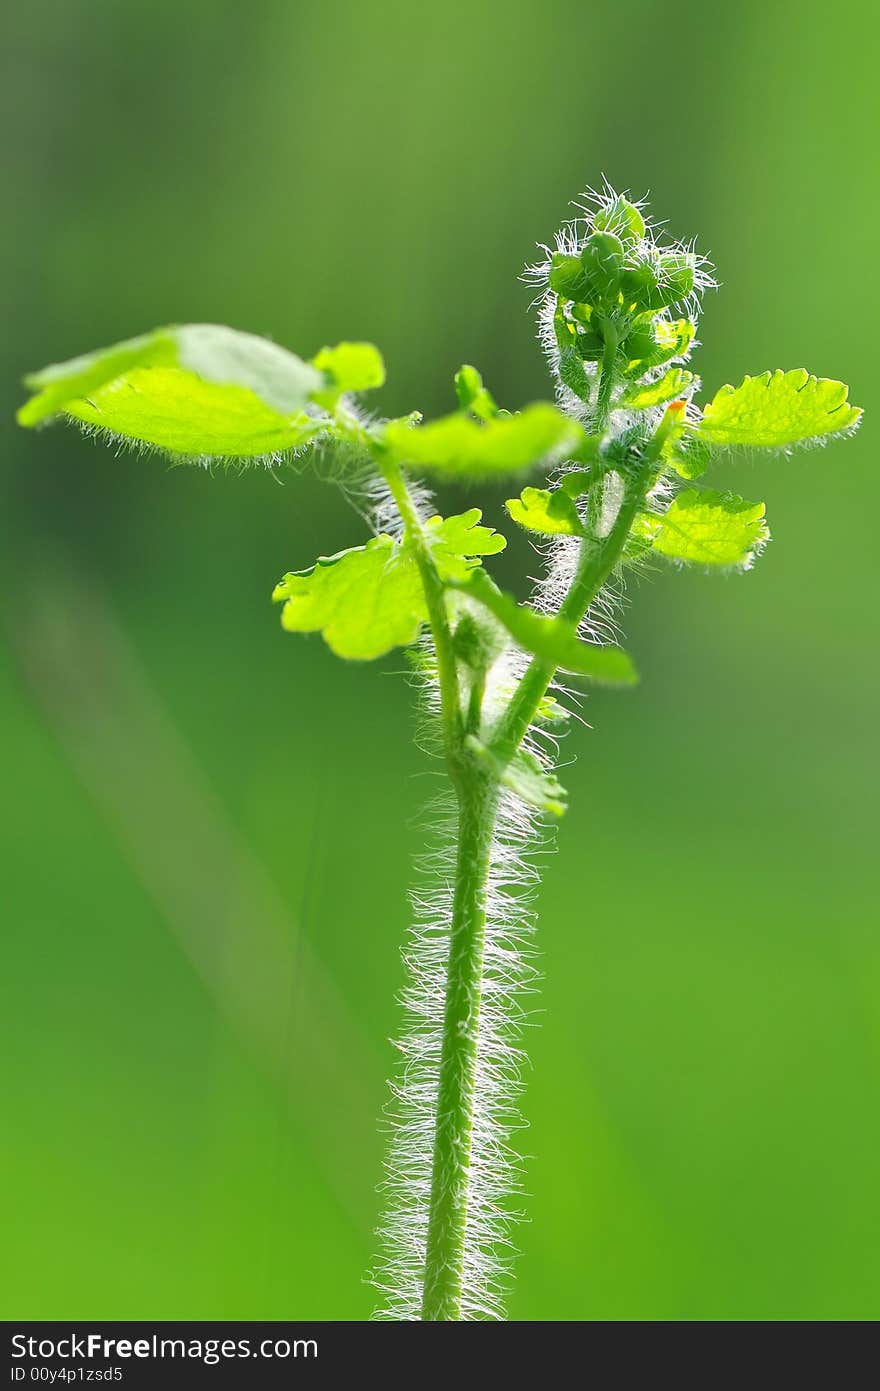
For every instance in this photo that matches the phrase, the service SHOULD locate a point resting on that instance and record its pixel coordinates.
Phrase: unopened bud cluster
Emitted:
(614, 297)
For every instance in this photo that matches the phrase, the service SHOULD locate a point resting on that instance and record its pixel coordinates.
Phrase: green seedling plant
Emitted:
(609, 478)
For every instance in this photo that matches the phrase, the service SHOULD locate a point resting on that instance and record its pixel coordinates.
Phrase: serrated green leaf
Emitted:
(778, 409)
(708, 528)
(671, 385)
(457, 446)
(548, 512)
(365, 601)
(348, 367)
(456, 542)
(551, 639)
(525, 776)
(197, 390)
(369, 599)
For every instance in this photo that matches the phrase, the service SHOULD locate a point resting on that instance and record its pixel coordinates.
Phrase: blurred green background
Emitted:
(207, 824)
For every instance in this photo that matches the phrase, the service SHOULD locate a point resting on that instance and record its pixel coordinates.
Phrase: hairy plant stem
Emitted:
(477, 792)
(451, 1165)
(598, 557)
(447, 670)
(477, 795)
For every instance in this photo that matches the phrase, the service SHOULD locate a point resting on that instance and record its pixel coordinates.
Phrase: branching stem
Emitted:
(477, 791)
(447, 669)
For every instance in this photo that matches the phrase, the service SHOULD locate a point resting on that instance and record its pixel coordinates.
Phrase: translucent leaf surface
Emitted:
(199, 389)
(708, 528)
(550, 513)
(457, 446)
(455, 541)
(365, 601)
(348, 367)
(369, 599)
(672, 384)
(473, 396)
(778, 409)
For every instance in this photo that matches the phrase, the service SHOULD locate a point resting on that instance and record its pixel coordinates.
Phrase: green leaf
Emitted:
(551, 712)
(348, 367)
(671, 385)
(369, 599)
(197, 390)
(456, 541)
(457, 446)
(525, 776)
(673, 337)
(708, 528)
(653, 341)
(473, 396)
(551, 513)
(778, 409)
(365, 601)
(554, 641)
(687, 454)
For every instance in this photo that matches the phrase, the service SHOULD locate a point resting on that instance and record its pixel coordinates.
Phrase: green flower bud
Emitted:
(655, 284)
(638, 285)
(567, 277)
(477, 644)
(623, 219)
(676, 276)
(602, 260)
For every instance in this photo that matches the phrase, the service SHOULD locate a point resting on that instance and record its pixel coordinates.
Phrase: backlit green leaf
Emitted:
(674, 383)
(778, 409)
(654, 341)
(473, 396)
(708, 528)
(457, 446)
(369, 599)
(455, 541)
(674, 336)
(197, 390)
(348, 367)
(550, 513)
(365, 601)
(554, 641)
